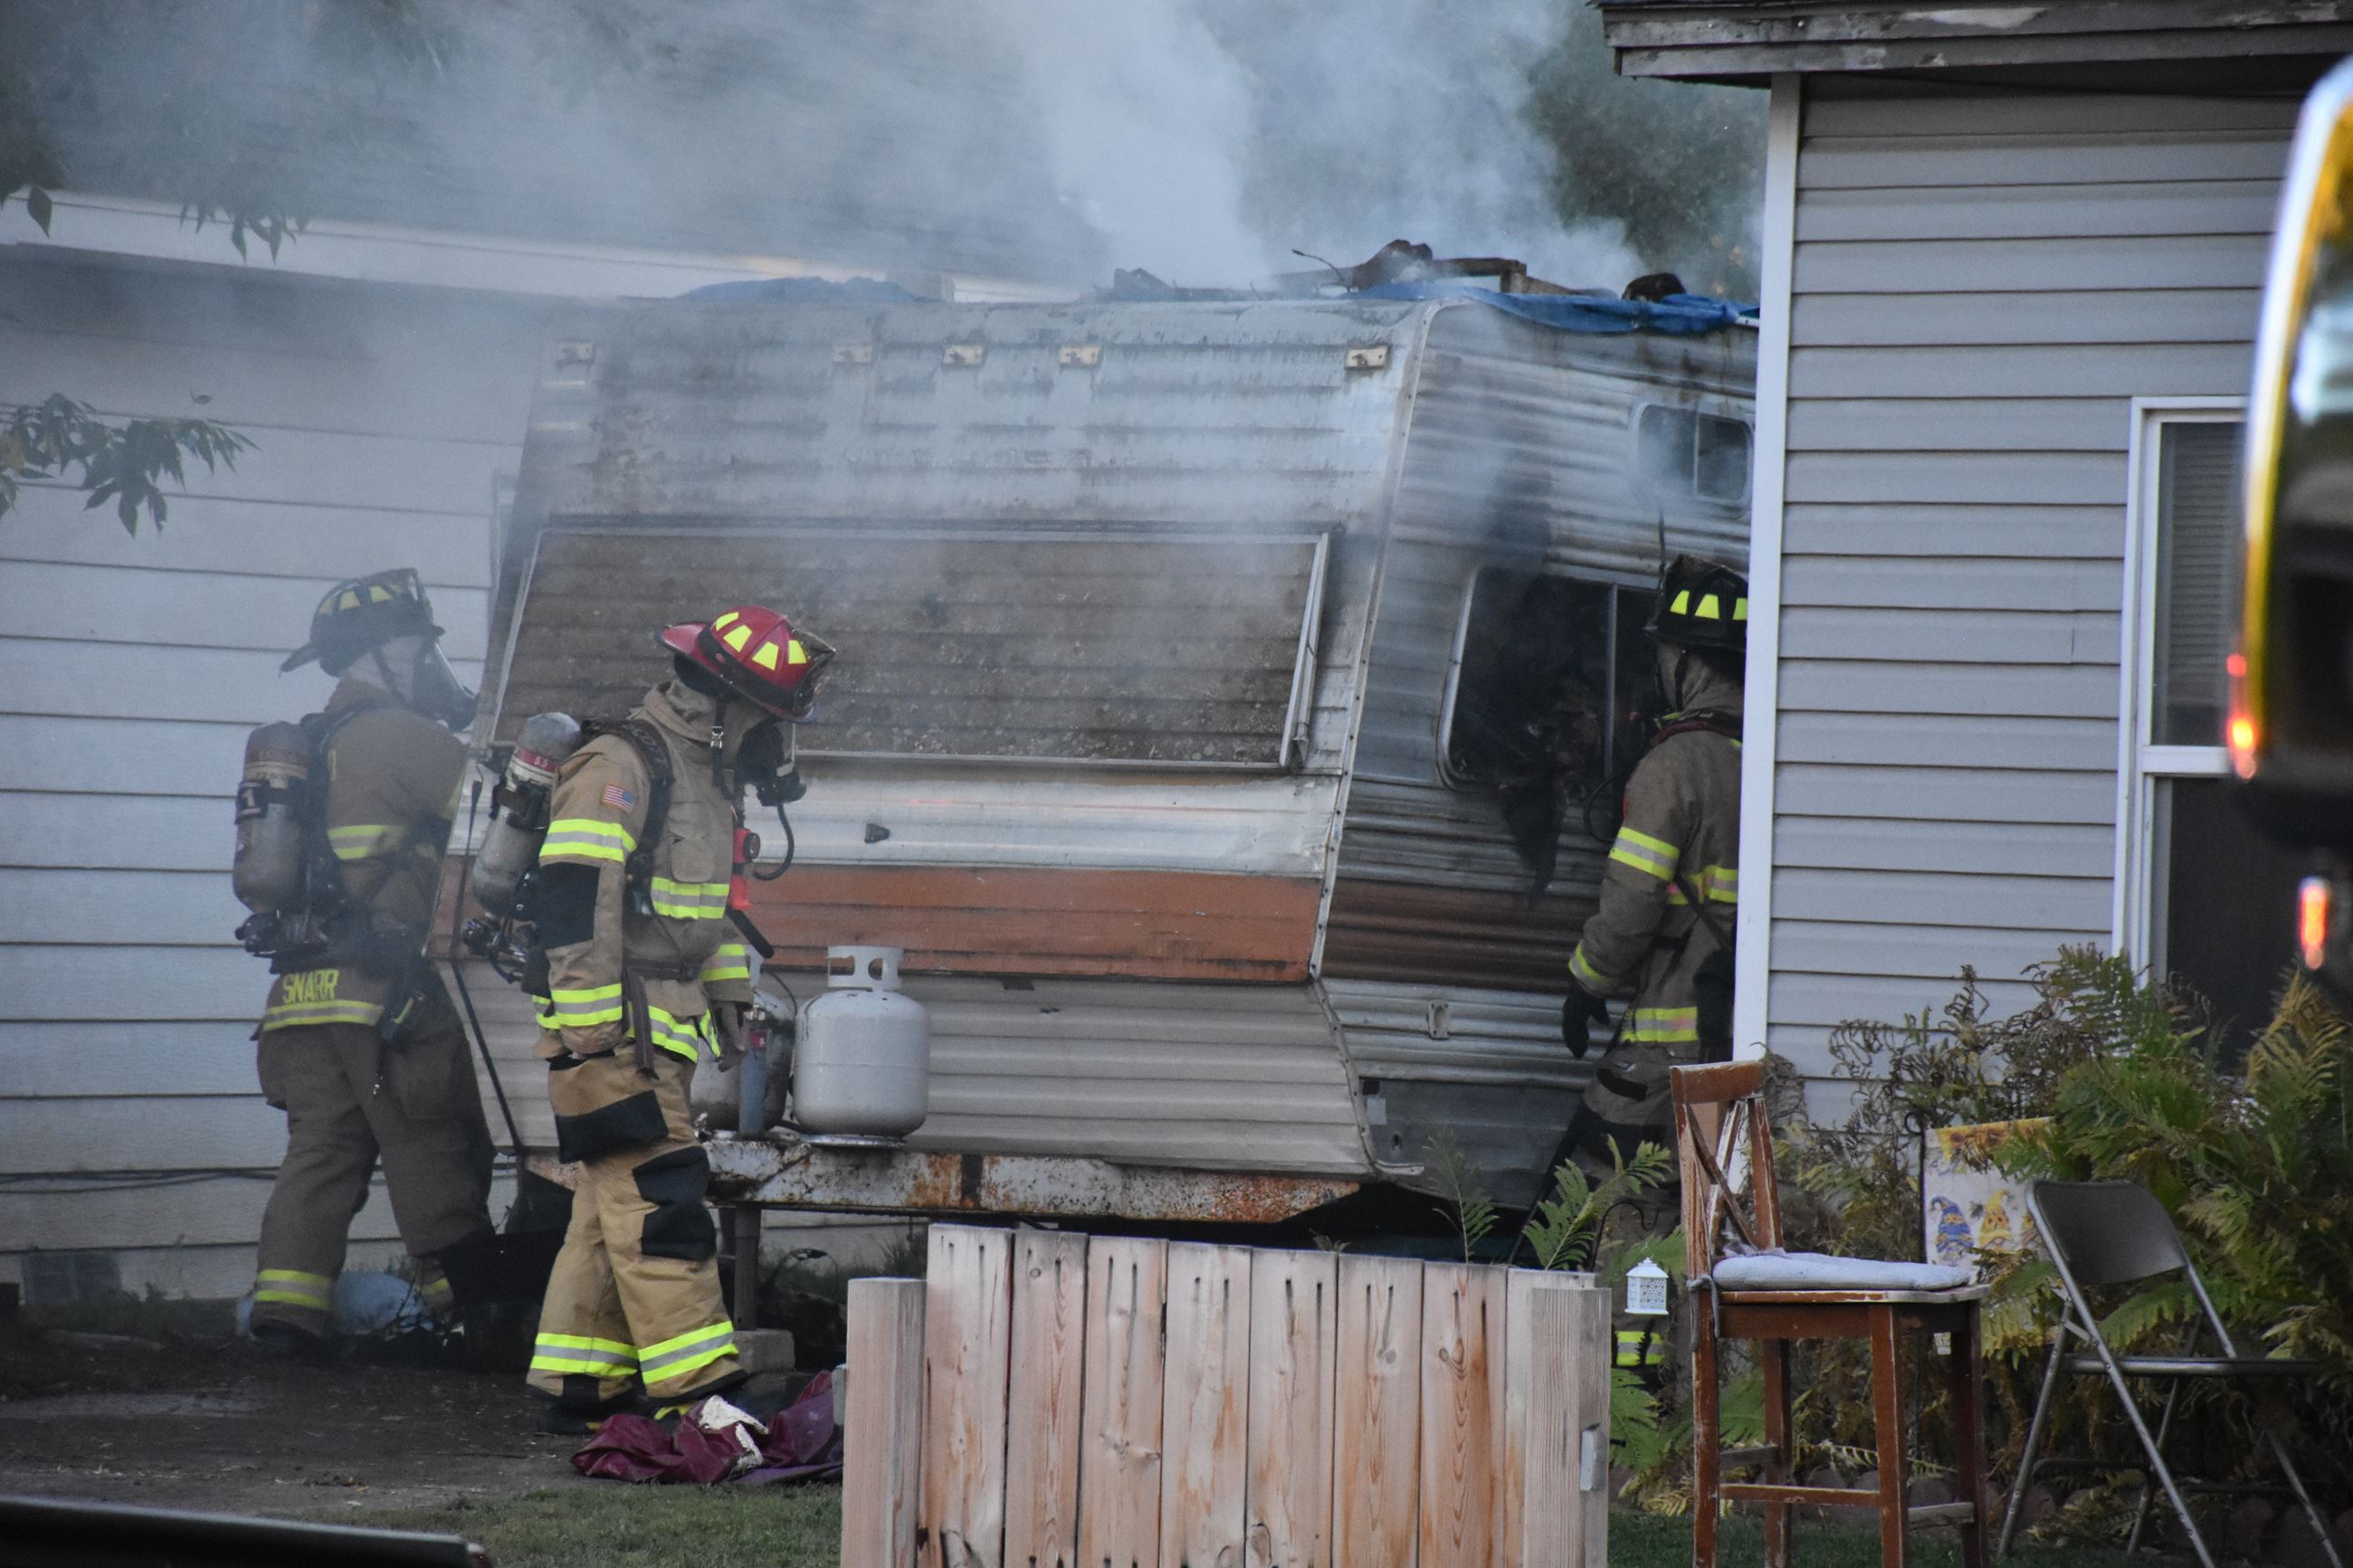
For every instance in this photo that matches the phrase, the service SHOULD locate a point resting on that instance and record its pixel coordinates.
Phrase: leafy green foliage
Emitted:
(2256, 1165)
(1467, 1203)
(1567, 1224)
(122, 463)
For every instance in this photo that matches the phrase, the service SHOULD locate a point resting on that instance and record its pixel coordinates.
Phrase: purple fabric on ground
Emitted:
(629, 1449)
(802, 1443)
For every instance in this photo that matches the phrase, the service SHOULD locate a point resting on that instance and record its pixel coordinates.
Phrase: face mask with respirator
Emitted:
(413, 670)
(764, 765)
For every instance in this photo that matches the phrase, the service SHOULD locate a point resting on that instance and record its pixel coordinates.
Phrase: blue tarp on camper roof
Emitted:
(1680, 315)
(1677, 314)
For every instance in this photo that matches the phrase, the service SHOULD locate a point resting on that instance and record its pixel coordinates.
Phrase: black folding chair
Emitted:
(2101, 1233)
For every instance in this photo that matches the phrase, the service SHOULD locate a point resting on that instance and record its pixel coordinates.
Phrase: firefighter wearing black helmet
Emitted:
(1661, 939)
(357, 1043)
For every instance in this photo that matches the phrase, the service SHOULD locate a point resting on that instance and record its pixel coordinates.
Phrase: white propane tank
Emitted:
(864, 1061)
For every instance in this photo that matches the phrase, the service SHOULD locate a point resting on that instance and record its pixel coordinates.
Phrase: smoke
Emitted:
(1149, 127)
(1048, 139)
(1411, 123)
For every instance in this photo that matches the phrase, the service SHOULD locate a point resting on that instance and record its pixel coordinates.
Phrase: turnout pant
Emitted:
(635, 1295)
(349, 1101)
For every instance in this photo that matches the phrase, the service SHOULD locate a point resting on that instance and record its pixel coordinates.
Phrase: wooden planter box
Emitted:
(1045, 1400)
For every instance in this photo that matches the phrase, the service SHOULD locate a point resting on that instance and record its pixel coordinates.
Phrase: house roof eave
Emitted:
(1748, 41)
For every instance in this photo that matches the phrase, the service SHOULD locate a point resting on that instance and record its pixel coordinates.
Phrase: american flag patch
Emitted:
(620, 798)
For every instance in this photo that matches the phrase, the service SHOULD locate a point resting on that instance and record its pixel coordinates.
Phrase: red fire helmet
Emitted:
(755, 653)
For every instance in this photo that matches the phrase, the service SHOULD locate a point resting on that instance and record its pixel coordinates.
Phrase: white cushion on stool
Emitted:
(1779, 1270)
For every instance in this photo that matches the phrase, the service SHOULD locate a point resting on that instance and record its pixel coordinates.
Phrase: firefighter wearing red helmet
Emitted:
(645, 972)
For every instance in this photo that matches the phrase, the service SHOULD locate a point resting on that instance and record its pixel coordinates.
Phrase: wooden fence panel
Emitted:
(1556, 1493)
(1294, 1309)
(1461, 1415)
(967, 1338)
(882, 1428)
(1205, 1419)
(1377, 1409)
(1042, 1403)
(1119, 1465)
(1592, 1345)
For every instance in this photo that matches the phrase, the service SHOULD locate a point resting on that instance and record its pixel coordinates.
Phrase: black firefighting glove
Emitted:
(727, 1021)
(1579, 1010)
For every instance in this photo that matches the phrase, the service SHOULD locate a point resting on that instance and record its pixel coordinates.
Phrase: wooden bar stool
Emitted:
(1743, 1287)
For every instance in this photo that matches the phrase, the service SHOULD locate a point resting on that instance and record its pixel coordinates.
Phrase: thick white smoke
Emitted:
(1051, 140)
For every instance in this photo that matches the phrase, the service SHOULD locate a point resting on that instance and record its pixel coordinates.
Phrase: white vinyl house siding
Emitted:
(1982, 281)
(131, 670)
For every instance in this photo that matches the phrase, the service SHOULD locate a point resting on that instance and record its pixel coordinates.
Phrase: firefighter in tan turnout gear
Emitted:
(358, 1044)
(645, 971)
(1662, 937)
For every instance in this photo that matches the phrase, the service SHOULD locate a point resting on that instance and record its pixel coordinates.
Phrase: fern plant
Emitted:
(1567, 1227)
(1467, 1203)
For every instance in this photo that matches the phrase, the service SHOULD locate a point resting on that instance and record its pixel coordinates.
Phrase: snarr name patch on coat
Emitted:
(618, 798)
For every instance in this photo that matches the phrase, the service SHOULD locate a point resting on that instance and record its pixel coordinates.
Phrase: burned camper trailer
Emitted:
(1229, 698)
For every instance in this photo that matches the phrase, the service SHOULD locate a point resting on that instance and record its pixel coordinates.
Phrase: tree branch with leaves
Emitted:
(59, 439)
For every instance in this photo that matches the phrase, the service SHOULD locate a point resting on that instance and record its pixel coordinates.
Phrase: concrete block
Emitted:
(764, 1350)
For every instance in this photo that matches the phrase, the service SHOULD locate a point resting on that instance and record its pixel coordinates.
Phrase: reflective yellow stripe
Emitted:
(688, 901)
(581, 1006)
(589, 1342)
(732, 962)
(1592, 979)
(294, 1287)
(680, 1036)
(296, 1299)
(544, 1361)
(586, 838)
(699, 1347)
(293, 1015)
(1663, 1026)
(361, 840)
(1717, 885)
(1639, 1347)
(1652, 857)
(575, 1353)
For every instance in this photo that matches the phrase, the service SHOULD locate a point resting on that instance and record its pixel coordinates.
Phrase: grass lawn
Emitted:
(615, 1526)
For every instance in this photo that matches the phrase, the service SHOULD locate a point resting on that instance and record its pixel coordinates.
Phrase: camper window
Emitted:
(1533, 686)
(1683, 452)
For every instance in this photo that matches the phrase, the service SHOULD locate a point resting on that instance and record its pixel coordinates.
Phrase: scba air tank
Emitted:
(519, 808)
(864, 1061)
(268, 871)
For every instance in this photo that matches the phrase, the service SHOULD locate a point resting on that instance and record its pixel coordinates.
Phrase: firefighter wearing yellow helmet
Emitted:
(646, 973)
(1663, 938)
(358, 1045)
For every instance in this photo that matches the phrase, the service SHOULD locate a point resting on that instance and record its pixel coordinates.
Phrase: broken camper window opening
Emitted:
(1537, 707)
(1682, 452)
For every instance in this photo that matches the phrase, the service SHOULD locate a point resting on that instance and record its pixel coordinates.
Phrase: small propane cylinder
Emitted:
(268, 871)
(519, 808)
(865, 1059)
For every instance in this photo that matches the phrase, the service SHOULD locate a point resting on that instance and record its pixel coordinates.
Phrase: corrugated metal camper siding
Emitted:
(131, 668)
(1219, 1077)
(1519, 454)
(1983, 279)
(1195, 418)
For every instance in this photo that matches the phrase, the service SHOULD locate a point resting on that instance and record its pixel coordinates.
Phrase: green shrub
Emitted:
(2256, 1165)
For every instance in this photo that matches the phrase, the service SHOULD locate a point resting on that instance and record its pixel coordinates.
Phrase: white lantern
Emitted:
(1646, 1289)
